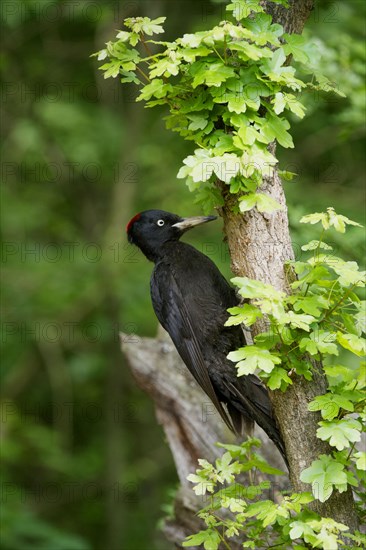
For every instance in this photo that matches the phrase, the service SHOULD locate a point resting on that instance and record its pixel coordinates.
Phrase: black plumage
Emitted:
(190, 298)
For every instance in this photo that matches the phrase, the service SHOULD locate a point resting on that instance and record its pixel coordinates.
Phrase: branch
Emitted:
(190, 422)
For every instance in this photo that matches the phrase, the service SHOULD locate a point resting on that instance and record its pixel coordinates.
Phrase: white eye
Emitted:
(160, 223)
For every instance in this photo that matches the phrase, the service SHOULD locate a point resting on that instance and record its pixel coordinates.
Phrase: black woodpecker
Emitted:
(190, 298)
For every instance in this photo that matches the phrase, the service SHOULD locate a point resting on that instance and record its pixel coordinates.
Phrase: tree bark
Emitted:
(259, 245)
(292, 18)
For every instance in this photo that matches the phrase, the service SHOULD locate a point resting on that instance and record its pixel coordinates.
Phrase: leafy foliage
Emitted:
(229, 89)
(236, 509)
(321, 316)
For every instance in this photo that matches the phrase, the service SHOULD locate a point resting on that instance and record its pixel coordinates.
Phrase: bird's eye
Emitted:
(160, 223)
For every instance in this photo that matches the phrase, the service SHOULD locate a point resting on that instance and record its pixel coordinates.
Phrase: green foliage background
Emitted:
(84, 464)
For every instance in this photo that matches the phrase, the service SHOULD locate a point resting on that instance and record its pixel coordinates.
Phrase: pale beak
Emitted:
(187, 223)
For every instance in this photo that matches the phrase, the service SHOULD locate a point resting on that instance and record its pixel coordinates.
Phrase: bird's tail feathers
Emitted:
(266, 422)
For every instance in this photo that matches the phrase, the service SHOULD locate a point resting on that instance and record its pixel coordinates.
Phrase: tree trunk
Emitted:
(259, 245)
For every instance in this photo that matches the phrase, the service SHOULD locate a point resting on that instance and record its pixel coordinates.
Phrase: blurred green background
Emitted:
(84, 463)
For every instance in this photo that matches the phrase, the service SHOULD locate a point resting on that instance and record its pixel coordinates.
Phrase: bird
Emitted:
(190, 298)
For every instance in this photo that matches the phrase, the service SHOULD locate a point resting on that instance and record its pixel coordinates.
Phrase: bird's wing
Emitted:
(177, 320)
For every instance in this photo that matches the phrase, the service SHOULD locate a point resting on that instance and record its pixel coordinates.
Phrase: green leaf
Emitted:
(247, 202)
(224, 144)
(250, 288)
(209, 538)
(309, 304)
(145, 25)
(259, 509)
(338, 221)
(289, 101)
(213, 541)
(330, 404)
(275, 128)
(242, 8)
(295, 45)
(316, 218)
(226, 166)
(190, 54)
(324, 474)
(233, 504)
(156, 88)
(194, 540)
(209, 198)
(248, 134)
(198, 122)
(314, 245)
(129, 76)
(102, 54)
(249, 51)
(360, 317)
(257, 159)
(338, 374)
(165, 66)
(340, 433)
(286, 175)
(348, 321)
(253, 88)
(124, 36)
(273, 65)
(319, 341)
(267, 340)
(200, 166)
(278, 379)
(348, 272)
(111, 69)
(236, 103)
(321, 533)
(191, 40)
(263, 29)
(296, 320)
(226, 469)
(266, 296)
(260, 464)
(328, 219)
(360, 457)
(246, 314)
(353, 343)
(300, 529)
(295, 106)
(309, 274)
(264, 203)
(251, 358)
(210, 74)
(202, 485)
(279, 103)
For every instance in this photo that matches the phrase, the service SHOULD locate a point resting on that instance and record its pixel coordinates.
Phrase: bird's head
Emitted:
(150, 229)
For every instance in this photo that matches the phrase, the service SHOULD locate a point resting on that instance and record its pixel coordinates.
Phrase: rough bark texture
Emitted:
(259, 245)
(191, 425)
(293, 18)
